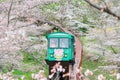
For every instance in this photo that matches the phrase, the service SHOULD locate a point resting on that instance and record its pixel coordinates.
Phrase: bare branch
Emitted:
(113, 50)
(56, 25)
(105, 9)
(9, 13)
(42, 21)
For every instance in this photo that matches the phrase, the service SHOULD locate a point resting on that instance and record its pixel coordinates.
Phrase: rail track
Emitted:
(72, 71)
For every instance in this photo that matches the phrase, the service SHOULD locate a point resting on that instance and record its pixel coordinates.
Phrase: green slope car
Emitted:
(60, 47)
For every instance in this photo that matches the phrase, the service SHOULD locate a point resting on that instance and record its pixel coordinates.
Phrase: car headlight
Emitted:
(51, 55)
(65, 55)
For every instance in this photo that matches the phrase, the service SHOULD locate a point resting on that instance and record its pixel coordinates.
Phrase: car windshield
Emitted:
(64, 43)
(53, 42)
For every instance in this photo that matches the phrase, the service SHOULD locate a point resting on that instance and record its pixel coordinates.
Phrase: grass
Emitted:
(46, 69)
(50, 7)
(6, 67)
(28, 57)
(2, 0)
(93, 66)
(31, 61)
(116, 49)
(33, 57)
(20, 73)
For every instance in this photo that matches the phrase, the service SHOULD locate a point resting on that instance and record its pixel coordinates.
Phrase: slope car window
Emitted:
(64, 43)
(53, 43)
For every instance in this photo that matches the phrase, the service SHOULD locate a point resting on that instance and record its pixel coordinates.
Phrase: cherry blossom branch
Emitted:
(104, 9)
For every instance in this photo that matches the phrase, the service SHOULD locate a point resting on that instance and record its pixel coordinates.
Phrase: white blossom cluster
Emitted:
(39, 76)
(7, 76)
(89, 73)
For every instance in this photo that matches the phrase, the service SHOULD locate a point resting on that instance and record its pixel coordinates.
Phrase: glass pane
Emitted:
(53, 43)
(64, 43)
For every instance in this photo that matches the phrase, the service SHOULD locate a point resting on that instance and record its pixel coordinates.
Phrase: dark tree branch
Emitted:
(9, 13)
(56, 25)
(104, 9)
(42, 21)
(113, 50)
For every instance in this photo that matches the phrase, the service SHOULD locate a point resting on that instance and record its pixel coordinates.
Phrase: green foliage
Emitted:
(84, 30)
(116, 49)
(93, 66)
(56, 30)
(6, 67)
(92, 26)
(32, 59)
(20, 73)
(93, 40)
(28, 57)
(32, 37)
(83, 39)
(50, 7)
(5, 70)
(46, 69)
(2, 0)
(85, 19)
(78, 2)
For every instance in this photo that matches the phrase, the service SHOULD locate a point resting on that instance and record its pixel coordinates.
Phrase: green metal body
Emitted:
(63, 50)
